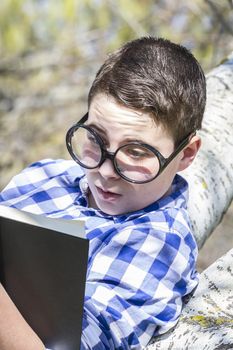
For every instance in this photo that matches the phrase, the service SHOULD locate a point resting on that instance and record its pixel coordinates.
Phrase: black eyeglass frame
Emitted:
(105, 154)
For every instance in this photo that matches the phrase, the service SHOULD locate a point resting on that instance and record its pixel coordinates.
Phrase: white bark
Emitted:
(206, 322)
(211, 174)
(207, 319)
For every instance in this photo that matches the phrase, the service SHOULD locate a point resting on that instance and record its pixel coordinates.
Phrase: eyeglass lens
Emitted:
(133, 161)
(86, 148)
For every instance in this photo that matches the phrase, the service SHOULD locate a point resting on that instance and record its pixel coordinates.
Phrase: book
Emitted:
(43, 265)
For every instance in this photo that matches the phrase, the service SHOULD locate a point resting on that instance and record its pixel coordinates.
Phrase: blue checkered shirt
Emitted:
(141, 264)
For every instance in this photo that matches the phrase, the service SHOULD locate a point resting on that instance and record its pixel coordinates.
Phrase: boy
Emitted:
(144, 108)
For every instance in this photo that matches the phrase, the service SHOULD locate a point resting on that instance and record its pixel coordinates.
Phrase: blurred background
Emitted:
(50, 51)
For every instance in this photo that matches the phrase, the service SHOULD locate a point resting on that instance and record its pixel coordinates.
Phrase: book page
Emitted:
(70, 227)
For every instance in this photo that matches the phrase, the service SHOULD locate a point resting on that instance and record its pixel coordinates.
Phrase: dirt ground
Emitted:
(220, 241)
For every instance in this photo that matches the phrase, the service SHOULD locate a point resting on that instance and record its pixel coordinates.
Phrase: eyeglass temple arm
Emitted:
(181, 146)
(83, 119)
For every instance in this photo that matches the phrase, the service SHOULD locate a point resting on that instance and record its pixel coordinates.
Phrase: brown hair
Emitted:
(156, 76)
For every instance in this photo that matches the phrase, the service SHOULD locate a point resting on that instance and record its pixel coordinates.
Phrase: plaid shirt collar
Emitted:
(178, 198)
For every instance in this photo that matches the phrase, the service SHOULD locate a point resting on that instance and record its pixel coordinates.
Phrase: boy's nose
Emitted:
(107, 170)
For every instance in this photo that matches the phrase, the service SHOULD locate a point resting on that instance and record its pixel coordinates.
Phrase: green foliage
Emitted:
(27, 25)
(14, 27)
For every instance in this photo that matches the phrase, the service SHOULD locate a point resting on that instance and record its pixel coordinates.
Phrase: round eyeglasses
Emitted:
(135, 162)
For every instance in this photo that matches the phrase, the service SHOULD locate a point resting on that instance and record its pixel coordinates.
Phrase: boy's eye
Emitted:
(137, 153)
(96, 139)
(91, 138)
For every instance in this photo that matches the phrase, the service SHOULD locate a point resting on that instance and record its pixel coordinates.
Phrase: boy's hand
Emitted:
(15, 333)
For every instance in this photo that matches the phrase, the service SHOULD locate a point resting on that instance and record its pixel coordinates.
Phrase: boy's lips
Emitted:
(106, 194)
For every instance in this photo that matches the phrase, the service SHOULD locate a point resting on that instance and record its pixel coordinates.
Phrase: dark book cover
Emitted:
(44, 272)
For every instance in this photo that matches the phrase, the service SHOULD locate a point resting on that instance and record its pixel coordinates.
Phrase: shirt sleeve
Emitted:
(29, 178)
(40, 183)
(136, 284)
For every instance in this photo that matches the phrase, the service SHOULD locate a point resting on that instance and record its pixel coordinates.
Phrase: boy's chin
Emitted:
(116, 210)
(109, 210)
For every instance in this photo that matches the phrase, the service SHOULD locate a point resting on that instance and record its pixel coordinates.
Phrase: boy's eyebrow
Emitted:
(97, 128)
(103, 133)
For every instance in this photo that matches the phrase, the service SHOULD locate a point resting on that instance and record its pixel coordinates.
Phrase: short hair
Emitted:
(156, 76)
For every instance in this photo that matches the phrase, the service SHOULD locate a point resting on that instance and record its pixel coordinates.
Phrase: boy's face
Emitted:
(120, 125)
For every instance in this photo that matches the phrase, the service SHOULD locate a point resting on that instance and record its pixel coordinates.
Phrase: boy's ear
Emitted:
(189, 152)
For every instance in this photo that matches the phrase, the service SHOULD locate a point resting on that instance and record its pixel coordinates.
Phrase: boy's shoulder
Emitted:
(40, 174)
(52, 167)
(175, 199)
(167, 215)
(170, 212)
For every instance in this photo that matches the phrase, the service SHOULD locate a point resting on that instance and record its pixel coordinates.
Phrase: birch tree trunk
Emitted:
(207, 318)
(211, 174)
